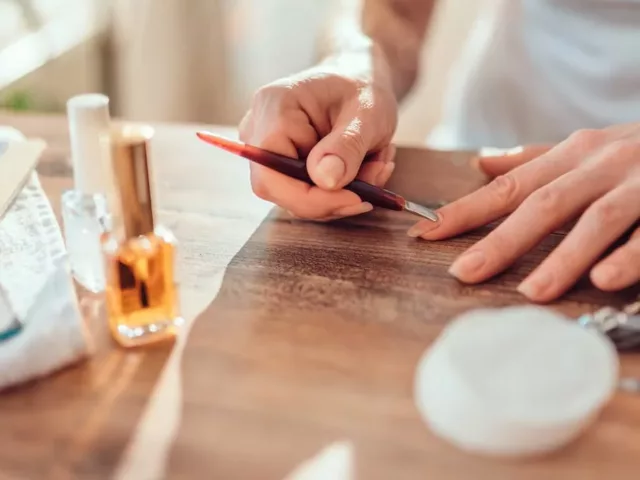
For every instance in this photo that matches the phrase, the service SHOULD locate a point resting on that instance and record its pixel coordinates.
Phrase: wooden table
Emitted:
(313, 337)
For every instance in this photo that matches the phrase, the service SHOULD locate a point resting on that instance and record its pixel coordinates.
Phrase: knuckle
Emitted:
(352, 143)
(587, 139)
(348, 86)
(244, 134)
(268, 91)
(244, 128)
(505, 188)
(547, 200)
(605, 214)
(621, 150)
(270, 94)
(275, 137)
(259, 187)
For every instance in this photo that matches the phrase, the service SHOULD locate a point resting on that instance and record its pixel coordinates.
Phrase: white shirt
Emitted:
(534, 71)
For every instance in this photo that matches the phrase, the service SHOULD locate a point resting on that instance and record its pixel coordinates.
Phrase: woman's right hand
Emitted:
(333, 119)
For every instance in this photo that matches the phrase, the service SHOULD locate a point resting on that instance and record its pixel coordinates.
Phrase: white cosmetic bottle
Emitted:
(85, 208)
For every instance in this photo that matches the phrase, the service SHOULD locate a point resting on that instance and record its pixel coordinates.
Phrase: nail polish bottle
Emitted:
(85, 211)
(141, 289)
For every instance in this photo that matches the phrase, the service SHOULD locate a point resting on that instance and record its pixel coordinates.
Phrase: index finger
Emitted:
(498, 198)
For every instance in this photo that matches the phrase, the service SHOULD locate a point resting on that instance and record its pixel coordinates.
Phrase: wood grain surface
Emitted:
(313, 338)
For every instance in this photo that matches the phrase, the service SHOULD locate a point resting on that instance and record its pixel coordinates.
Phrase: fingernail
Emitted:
(515, 151)
(535, 285)
(605, 275)
(385, 173)
(422, 227)
(492, 152)
(352, 210)
(330, 171)
(498, 152)
(467, 264)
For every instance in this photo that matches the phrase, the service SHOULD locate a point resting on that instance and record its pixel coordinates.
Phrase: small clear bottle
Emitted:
(85, 208)
(142, 292)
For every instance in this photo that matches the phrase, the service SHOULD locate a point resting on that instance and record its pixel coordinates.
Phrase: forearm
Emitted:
(384, 36)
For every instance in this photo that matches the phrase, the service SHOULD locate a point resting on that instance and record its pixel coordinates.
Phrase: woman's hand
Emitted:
(592, 177)
(334, 116)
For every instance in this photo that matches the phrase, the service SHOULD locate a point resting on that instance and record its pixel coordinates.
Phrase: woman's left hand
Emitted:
(592, 177)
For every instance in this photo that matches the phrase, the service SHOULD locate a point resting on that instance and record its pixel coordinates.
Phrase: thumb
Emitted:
(495, 162)
(336, 159)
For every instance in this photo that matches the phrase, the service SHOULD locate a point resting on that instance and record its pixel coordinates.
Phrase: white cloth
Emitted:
(36, 279)
(534, 71)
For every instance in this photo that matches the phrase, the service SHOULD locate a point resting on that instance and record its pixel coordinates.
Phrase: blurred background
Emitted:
(189, 60)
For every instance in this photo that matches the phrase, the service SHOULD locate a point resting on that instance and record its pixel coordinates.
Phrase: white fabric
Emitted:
(534, 71)
(35, 277)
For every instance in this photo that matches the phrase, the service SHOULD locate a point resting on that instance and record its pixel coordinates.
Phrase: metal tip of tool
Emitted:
(421, 210)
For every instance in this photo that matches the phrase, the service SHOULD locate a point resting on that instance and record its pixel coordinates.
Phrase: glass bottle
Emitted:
(85, 210)
(141, 288)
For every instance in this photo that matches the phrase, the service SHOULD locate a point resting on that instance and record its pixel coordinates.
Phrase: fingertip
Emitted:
(423, 228)
(329, 172)
(494, 162)
(416, 230)
(370, 171)
(350, 140)
(535, 297)
(480, 163)
(493, 152)
(391, 153)
(352, 210)
(494, 165)
(542, 286)
(385, 174)
(378, 168)
(606, 276)
(245, 126)
(490, 155)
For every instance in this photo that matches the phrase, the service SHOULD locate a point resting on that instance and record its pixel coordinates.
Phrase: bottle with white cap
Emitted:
(85, 208)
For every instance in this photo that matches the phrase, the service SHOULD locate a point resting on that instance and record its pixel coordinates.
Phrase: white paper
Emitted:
(34, 273)
(18, 158)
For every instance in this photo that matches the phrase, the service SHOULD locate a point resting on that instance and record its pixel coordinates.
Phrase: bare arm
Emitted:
(384, 36)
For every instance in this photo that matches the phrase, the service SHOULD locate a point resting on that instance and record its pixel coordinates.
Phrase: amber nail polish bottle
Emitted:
(141, 291)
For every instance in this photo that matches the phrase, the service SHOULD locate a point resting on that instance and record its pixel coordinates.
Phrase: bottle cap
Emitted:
(89, 124)
(132, 180)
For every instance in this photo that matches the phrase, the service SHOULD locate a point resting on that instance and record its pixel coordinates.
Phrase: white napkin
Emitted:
(37, 284)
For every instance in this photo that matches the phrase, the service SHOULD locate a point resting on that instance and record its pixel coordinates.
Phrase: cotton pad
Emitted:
(516, 381)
